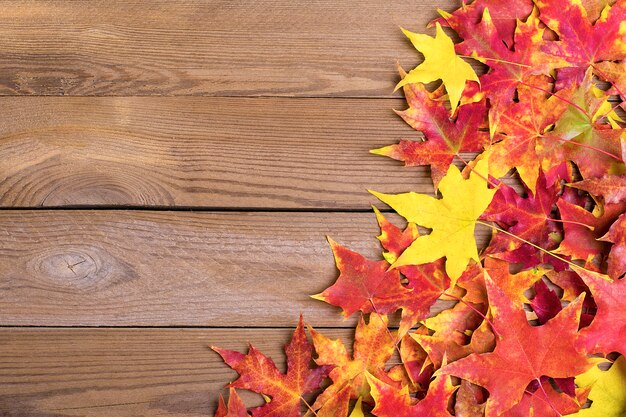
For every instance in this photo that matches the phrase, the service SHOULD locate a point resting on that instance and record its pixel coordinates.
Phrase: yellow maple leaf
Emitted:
(608, 390)
(452, 219)
(440, 63)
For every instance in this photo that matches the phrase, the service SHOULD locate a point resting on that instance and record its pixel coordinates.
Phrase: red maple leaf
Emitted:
(373, 346)
(392, 402)
(607, 332)
(258, 373)
(363, 285)
(612, 188)
(509, 68)
(444, 138)
(235, 408)
(523, 353)
(582, 42)
(543, 401)
(528, 218)
(505, 15)
(617, 256)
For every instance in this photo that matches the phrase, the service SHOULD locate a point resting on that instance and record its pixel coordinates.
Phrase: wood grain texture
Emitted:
(201, 152)
(214, 47)
(115, 268)
(124, 372)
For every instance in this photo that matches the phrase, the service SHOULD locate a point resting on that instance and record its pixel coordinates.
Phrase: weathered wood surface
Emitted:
(130, 268)
(198, 47)
(124, 372)
(201, 152)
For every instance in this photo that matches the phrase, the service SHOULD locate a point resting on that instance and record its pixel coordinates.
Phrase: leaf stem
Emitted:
(478, 58)
(570, 263)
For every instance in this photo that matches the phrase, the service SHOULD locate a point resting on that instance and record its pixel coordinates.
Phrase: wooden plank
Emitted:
(201, 152)
(129, 268)
(124, 372)
(199, 47)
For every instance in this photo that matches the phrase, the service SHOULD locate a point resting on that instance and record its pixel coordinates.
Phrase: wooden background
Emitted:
(168, 173)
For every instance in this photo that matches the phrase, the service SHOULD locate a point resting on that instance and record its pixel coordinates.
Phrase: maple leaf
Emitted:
(617, 256)
(611, 187)
(445, 138)
(451, 328)
(544, 401)
(608, 390)
(452, 218)
(470, 400)
(513, 285)
(370, 286)
(440, 63)
(583, 229)
(508, 68)
(581, 42)
(373, 346)
(526, 122)
(579, 137)
(427, 282)
(391, 402)
(363, 285)
(528, 219)
(523, 353)
(615, 73)
(546, 304)
(607, 332)
(505, 15)
(258, 373)
(235, 408)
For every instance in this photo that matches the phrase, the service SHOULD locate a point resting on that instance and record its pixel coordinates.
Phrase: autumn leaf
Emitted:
(470, 400)
(523, 353)
(505, 15)
(509, 67)
(617, 256)
(452, 218)
(527, 221)
(608, 390)
(235, 408)
(373, 346)
(543, 401)
(546, 304)
(370, 286)
(363, 285)
(440, 63)
(612, 188)
(607, 332)
(579, 136)
(582, 42)
(525, 124)
(444, 138)
(258, 373)
(391, 402)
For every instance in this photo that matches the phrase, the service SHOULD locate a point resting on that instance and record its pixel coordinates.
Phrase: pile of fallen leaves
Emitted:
(535, 324)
